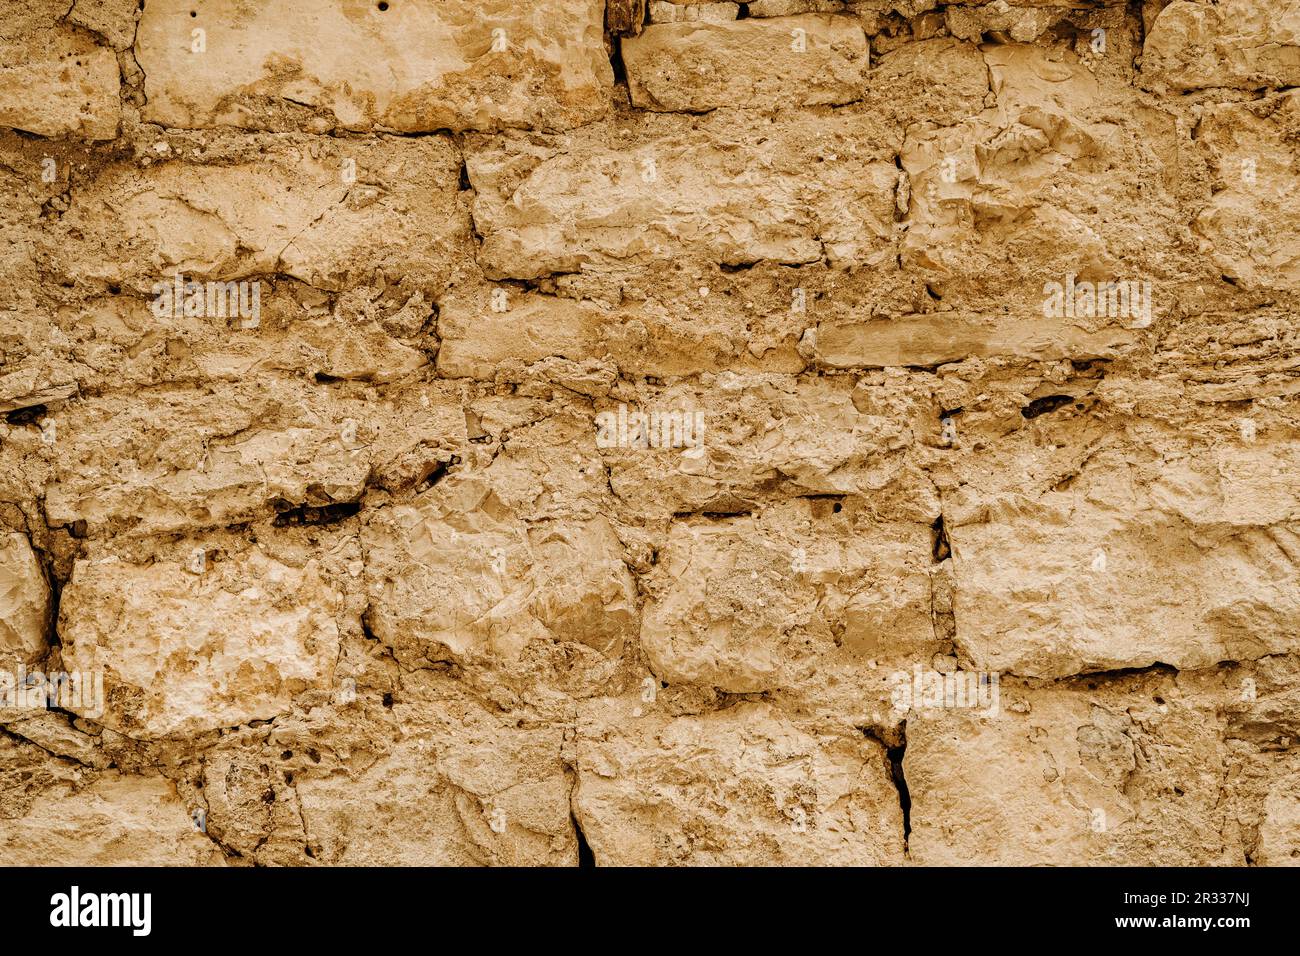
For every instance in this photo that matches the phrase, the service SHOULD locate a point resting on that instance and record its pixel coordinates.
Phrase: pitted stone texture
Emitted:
(1246, 44)
(55, 80)
(212, 641)
(807, 61)
(470, 790)
(994, 199)
(745, 786)
(24, 601)
(412, 66)
(668, 11)
(1077, 580)
(182, 459)
(767, 438)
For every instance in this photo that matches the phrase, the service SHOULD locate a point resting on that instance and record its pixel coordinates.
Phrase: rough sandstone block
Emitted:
(663, 11)
(558, 208)
(24, 601)
(744, 786)
(750, 606)
(115, 820)
(55, 80)
(278, 205)
(412, 66)
(1255, 192)
(1244, 44)
(807, 60)
(1117, 772)
(455, 576)
(201, 643)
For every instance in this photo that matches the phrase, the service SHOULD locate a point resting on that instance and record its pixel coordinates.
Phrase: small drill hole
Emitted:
(382, 6)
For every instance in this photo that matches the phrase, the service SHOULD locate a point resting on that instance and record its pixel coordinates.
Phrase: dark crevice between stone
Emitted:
(940, 548)
(313, 515)
(1045, 405)
(585, 857)
(895, 744)
(26, 416)
(437, 471)
(895, 756)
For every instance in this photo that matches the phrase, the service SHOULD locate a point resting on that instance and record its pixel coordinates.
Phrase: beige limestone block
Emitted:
(183, 459)
(1246, 225)
(111, 820)
(410, 66)
(745, 786)
(55, 80)
(1110, 772)
(765, 438)
(1242, 44)
(807, 60)
(24, 601)
(301, 208)
(477, 793)
(669, 11)
(187, 646)
(750, 606)
(563, 208)
(1187, 566)
(1279, 835)
(455, 576)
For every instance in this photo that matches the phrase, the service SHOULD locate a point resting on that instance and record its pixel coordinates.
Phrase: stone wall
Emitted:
(563, 432)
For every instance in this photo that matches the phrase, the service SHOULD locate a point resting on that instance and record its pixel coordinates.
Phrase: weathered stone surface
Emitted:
(1085, 586)
(277, 205)
(411, 67)
(741, 787)
(184, 459)
(54, 80)
(550, 209)
(1127, 772)
(664, 11)
(644, 425)
(696, 66)
(456, 577)
(1255, 186)
(24, 601)
(479, 792)
(1246, 44)
(202, 642)
(751, 606)
(114, 820)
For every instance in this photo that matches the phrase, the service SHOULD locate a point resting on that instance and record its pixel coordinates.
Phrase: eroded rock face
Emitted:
(547, 208)
(800, 432)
